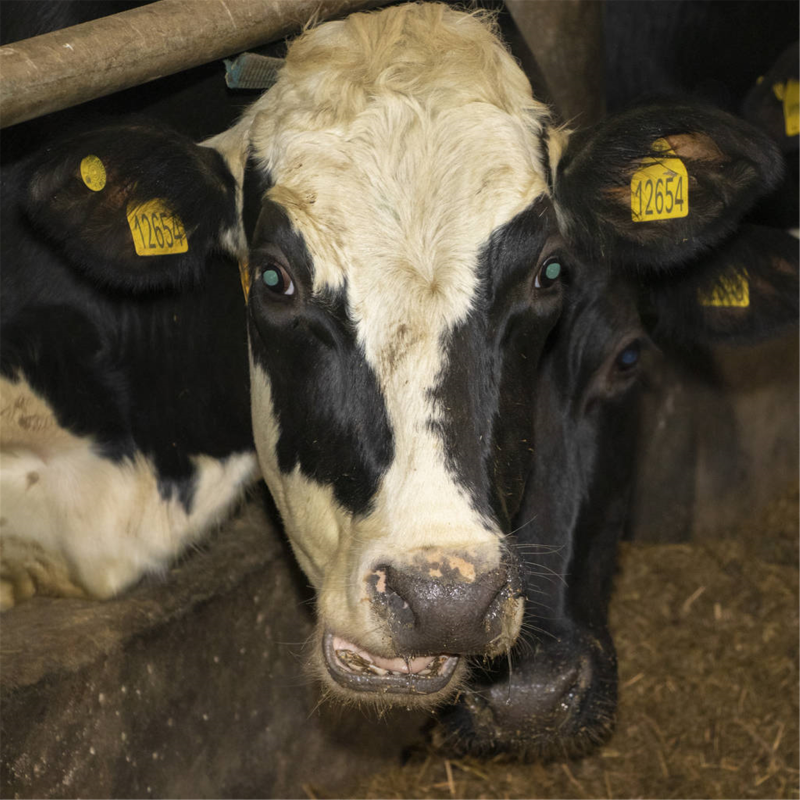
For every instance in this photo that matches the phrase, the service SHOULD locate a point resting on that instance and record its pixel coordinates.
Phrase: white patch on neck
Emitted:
(76, 522)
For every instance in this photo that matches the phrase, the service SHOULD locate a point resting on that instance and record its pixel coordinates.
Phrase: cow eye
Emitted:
(628, 358)
(549, 272)
(277, 279)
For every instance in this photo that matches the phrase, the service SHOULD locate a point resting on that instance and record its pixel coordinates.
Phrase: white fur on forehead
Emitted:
(413, 122)
(424, 50)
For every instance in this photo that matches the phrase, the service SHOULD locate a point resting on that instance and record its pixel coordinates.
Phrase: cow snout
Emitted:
(549, 701)
(555, 699)
(447, 605)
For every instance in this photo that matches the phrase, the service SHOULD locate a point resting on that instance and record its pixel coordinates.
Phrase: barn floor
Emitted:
(707, 636)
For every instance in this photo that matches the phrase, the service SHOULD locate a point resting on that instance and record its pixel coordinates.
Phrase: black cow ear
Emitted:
(772, 103)
(744, 292)
(135, 207)
(654, 186)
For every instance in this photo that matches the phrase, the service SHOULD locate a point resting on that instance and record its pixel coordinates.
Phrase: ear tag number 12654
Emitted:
(660, 187)
(156, 230)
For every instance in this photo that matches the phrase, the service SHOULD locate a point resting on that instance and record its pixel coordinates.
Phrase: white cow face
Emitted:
(394, 290)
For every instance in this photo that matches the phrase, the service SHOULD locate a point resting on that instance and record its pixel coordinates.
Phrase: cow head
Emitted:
(556, 694)
(431, 336)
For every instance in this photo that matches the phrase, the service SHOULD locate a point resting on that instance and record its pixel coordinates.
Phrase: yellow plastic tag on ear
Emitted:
(791, 111)
(660, 187)
(244, 276)
(732, 291)
(156, 230)
(93, 173)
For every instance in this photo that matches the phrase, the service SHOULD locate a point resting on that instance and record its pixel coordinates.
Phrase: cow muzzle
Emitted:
(432, 612)
(559, 699)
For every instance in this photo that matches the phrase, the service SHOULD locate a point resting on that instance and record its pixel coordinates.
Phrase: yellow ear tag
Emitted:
(244, 276)
(660, 187)
(93, 173)
(791, 109)
(156, 230)
(732, 291)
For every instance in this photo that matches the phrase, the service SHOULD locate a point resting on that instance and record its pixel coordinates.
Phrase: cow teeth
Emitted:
(435, 667)
(358, 669)
(360, 662)
(357, 663)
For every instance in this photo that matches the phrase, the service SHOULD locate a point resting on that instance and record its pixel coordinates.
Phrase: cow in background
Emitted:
(125, 423)
(448, 299)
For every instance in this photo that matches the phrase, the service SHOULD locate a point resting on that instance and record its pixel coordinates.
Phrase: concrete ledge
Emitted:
(191, 687)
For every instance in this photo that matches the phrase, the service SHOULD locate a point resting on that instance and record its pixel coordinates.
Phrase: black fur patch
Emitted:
(762, 260)
(729, 162)
(484, 391)
(163, 372)
(565, 527)
(544, 160)
(332, 416)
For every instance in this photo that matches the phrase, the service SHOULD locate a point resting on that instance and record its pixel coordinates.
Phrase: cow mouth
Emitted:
(355, 668)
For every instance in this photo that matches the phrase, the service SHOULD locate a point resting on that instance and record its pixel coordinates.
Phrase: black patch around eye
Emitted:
(277, 280)
(485, 388)
(330, 409)
(276, 246)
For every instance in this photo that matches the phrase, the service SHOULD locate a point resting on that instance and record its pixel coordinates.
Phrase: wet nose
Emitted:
(434, 608)
(546, 701)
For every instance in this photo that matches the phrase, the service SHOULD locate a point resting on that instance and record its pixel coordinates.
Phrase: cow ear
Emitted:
(135, 207)
(655, 186)
(772, 103)
(744, 292)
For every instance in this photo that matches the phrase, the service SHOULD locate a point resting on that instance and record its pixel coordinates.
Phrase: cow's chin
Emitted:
(352, 674)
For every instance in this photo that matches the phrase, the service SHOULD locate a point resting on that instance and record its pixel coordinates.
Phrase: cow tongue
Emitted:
(357, 659)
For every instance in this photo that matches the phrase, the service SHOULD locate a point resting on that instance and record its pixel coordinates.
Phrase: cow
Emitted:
(447, 299)
(125, 417)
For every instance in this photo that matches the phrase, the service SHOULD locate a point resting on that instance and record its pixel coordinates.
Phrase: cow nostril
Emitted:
(438, 607)
(390, 600)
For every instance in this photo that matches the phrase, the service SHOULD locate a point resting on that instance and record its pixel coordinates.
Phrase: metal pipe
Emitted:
(60, 69)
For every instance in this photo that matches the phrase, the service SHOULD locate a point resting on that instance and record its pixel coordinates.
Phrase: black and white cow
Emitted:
(447, 297)
(125, 422)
